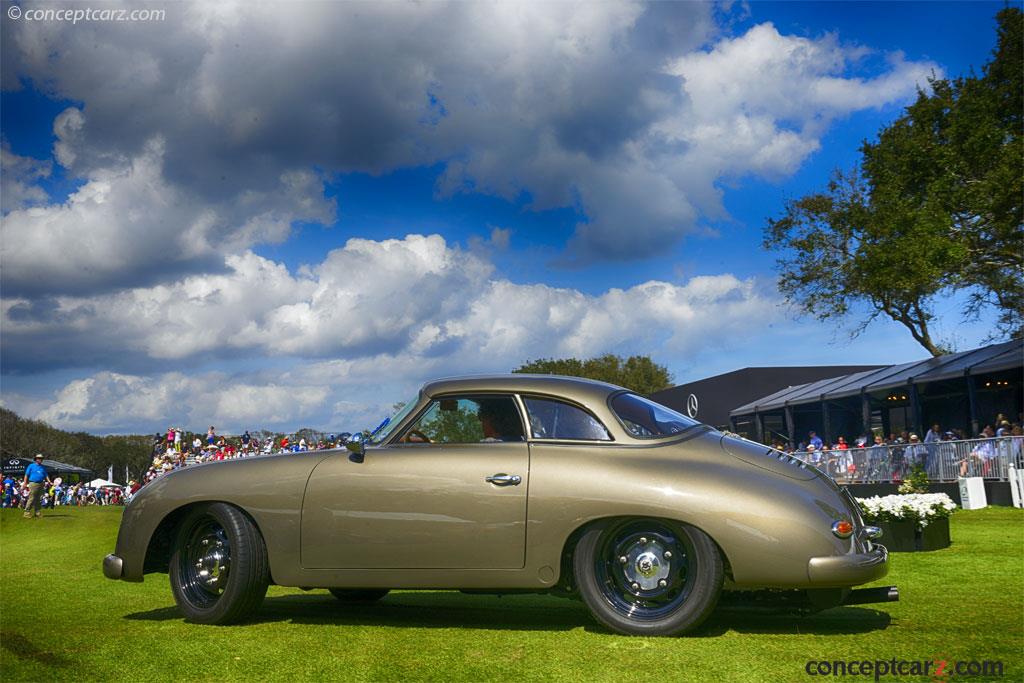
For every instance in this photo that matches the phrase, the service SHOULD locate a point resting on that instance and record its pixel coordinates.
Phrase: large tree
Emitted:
(933, 208)
(639, 373)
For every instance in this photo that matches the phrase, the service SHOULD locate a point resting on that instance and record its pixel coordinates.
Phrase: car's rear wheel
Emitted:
(359, 595)
(219, 570)
(648, 576)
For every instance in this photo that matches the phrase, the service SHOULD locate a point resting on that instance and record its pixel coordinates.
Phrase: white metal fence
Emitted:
(942, 460)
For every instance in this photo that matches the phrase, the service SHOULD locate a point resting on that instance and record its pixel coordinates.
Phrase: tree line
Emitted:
(639, 373)
(24, 438)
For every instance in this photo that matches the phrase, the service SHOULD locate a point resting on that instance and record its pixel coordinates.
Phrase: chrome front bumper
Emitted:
(849, 570)
(112, 567)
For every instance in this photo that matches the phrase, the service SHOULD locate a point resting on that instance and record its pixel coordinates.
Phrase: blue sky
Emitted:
(273, 220)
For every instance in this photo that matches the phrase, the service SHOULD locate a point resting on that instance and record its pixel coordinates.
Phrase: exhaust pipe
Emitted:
(864, 596)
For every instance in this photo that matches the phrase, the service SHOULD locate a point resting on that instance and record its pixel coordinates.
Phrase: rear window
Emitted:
(646, 419)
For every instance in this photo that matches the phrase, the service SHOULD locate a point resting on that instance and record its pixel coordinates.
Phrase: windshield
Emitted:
(646, 419)
(387, 427)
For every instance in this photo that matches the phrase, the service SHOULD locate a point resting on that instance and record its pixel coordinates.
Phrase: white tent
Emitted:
(97, 483)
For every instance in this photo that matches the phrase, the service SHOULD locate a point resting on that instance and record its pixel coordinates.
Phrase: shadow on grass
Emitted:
(449, 609)
(839, 620)
(22, 647)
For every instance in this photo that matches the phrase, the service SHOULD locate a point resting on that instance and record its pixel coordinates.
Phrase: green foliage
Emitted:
(24, 438)
(934, 207)
(639, 373)
(917, 482)
(461, 425)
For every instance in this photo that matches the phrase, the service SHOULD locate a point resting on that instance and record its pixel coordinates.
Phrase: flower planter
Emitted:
(935, 536)
(899, 515)
(898, 537)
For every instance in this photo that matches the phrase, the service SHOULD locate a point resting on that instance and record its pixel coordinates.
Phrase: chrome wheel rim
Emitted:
(644, 569)
(206, 563)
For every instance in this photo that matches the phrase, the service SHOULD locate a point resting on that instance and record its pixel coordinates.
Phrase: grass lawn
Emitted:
(60, 619)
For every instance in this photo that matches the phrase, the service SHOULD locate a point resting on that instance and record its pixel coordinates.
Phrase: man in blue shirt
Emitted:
(36, 477)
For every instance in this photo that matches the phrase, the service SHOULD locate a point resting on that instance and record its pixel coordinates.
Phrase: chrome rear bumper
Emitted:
(849, 570)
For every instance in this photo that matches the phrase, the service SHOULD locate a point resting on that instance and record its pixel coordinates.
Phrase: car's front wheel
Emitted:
(359, 595)
(219, 570)
(648, 576)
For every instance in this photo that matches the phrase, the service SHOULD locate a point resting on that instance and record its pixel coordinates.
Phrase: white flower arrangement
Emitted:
(912, 507)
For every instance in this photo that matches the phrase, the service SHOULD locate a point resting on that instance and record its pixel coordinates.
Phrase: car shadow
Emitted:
(450, 609)
(835, 621)
(21, 646)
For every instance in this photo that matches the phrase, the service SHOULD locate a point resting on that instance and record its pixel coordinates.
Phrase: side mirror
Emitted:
(356, 447)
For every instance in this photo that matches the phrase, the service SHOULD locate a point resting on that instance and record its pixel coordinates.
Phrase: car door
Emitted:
(449, 493)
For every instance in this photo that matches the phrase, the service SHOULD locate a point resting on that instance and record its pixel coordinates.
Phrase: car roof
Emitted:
(573, 388)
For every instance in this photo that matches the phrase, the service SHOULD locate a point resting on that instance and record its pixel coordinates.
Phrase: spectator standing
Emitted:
(814, 456)
(9, 495)
(814, 440)
(211, 436)
(177, 439)
(35, 478)
(931, 440)
(878, 458)
(983, 453)
(916, 454)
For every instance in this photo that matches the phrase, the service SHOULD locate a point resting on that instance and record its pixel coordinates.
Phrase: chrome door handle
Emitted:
(503, 479)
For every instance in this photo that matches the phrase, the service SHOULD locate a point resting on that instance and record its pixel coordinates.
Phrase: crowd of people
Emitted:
(940, 454)
(36, 490)
(176, 450)
(59, 493)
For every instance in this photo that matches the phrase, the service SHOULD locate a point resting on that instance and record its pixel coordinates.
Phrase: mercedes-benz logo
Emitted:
(691, 405)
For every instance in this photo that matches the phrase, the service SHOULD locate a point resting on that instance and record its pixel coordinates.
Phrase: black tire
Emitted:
(219, 570)
(668, 585)
(359, 595)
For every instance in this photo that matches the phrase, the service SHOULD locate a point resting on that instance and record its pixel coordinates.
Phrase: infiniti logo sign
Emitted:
(691, 405)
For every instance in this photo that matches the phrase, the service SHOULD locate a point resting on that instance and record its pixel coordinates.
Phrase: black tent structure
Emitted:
(710, 399)
(15, 466)
(965, 391)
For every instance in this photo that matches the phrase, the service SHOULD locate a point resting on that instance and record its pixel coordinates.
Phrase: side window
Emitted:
(550, 419)
(467, 419)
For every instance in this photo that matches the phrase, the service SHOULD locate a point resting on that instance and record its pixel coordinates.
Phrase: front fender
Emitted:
(267, 488)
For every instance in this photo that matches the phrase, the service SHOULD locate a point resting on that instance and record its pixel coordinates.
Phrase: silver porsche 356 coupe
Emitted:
(505, 484)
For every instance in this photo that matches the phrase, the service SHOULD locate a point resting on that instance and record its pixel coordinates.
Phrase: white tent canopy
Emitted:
(97, 483)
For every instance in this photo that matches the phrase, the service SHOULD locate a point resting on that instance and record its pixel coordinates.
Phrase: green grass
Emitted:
(61, 620)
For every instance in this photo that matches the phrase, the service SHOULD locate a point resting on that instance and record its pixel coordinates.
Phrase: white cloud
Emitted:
(414, 296)
(18, 178)
(760, 103)
(611, 108)
(110, 401)
(372, 318)
(131, 226)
